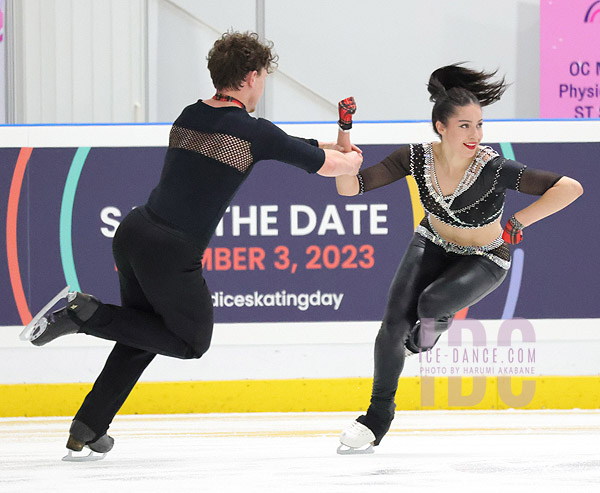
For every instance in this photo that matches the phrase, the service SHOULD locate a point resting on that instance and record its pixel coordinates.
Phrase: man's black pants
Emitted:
(166, 309)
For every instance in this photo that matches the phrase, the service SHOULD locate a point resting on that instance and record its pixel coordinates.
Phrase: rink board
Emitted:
(311, 395)
(316, 359)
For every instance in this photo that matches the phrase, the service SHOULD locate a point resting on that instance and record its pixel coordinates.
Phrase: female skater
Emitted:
(459, 253)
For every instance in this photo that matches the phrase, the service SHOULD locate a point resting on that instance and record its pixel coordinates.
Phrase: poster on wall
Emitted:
(288, 249)
(570, 59)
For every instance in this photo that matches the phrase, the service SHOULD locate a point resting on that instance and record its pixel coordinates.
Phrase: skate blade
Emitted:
(78, 457)
(345, 450)
(27, 333)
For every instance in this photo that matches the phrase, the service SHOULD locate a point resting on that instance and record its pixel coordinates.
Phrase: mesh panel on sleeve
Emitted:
(392, 168)
(536, 182)
(226, 149)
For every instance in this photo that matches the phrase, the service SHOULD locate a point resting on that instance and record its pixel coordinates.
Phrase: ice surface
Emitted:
(296, 452)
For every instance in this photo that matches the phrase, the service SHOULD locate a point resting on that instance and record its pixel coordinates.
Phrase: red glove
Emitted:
(513, 231)
(346, 108)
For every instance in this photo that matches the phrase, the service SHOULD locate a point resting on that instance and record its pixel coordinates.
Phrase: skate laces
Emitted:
(357, 428)
(357, 432)
(356, 439)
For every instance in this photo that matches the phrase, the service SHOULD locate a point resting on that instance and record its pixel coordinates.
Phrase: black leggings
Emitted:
(429, 287)
(166, 309)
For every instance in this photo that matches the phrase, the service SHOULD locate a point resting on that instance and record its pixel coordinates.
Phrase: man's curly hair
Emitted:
(234, 55)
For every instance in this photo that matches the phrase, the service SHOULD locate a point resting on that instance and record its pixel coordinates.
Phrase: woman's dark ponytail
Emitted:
(453, 86)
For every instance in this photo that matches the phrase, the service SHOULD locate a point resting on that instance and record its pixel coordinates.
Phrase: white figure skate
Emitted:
(356, 439)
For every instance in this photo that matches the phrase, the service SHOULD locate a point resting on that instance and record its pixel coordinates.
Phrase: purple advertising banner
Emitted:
(570, 59)
(289, 249)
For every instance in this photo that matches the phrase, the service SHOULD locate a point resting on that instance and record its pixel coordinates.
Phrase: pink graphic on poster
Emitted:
(570, 59)
(1, 20)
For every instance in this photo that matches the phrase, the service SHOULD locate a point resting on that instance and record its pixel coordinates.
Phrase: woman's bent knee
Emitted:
(431, 307)
(393, 334)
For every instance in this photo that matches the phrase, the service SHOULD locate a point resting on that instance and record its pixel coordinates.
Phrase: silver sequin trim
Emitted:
(484, 196)
(485, 154)
(361, 184)
(448, 246)
(518, 186)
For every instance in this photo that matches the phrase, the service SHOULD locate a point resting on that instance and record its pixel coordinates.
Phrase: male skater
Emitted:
(166, 306)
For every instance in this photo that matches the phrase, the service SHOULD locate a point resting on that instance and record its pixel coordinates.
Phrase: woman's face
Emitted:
(463, 131)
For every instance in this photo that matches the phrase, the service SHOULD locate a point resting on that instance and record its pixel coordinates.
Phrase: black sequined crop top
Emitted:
(478, 199)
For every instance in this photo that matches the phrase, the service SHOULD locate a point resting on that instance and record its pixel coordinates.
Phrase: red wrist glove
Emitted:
(346, 108)
(513, 231)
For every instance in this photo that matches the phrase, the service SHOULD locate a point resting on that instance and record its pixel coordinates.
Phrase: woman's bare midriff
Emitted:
(467, 237)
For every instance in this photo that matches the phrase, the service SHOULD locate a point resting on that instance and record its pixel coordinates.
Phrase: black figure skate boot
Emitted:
(47, 326)
(80, 436)
(414, 342)
(410, 346)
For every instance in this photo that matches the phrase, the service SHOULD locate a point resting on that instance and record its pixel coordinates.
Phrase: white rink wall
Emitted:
(567, 347)
(288, 350)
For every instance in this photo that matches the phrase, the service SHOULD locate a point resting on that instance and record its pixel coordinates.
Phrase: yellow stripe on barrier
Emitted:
(417, 208)
(315, 395)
